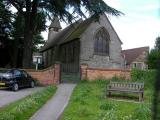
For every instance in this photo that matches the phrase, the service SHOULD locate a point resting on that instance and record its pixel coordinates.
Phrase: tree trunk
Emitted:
(30, 14)
(14, 55)
(27, 52)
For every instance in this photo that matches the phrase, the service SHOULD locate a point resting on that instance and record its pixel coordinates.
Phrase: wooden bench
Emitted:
(126, 87)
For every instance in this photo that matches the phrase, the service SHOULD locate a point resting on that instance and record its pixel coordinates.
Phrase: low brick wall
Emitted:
(93, 73)
(47, 76)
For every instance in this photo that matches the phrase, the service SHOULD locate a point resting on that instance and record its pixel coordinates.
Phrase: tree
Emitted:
(37, 42)
(153, 61)
(154, 55)
(152, 58)
(61, 8)
(156, 100)
(5, 32)
(157, 46)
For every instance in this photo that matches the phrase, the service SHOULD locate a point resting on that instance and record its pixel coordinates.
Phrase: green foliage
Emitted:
(146, 76)
(107, 105)
(152, 58)
(142, 112)
(157, 46)
(23, 109)
(109, 115)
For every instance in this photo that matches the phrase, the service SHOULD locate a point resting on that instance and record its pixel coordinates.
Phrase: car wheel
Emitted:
(32, 84)
(15, 87)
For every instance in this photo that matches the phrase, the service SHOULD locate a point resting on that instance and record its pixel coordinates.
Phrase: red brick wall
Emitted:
(47, 76)
(93, 73)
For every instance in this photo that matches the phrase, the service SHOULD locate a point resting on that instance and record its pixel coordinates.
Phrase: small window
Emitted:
(101, 45)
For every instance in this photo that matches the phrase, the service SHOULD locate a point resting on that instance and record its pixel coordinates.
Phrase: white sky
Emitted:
(139, 26)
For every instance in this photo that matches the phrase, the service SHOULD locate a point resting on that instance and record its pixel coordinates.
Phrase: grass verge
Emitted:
(89, 102)
(24, 108)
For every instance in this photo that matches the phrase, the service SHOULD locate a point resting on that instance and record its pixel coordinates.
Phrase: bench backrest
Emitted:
(126, 85)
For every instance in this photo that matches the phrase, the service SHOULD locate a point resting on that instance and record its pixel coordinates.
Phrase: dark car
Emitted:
(15, 78)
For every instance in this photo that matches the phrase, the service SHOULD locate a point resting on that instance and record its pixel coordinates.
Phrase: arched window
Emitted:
(101, 45)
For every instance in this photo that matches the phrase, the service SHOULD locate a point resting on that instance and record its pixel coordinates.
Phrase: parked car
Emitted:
(15, 78)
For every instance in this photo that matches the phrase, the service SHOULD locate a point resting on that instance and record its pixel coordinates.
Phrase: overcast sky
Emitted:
(141, 23)
(139, 26)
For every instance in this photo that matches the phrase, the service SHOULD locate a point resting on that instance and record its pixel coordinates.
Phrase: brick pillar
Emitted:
(83, 71)
(57, 73)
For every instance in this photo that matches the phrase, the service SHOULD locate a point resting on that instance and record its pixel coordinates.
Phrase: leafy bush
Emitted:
(117, 78)
(146, 76)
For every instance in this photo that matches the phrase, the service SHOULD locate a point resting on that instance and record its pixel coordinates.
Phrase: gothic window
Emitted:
(101, 45)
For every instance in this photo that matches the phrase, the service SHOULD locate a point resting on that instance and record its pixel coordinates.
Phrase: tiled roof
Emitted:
(71, 32)
(132, 54)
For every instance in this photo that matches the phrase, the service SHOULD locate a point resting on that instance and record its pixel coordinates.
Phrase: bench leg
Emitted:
(140, 96)
(109, 94)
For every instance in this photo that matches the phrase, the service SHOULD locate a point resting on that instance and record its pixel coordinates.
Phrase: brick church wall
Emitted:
(93, 73)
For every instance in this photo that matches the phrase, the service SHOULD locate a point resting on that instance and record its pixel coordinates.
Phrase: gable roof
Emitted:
(132, 54)
(71, 32)
(113, 29)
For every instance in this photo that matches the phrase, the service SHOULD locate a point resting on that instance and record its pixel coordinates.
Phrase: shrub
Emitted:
(146, 76)
(117, 78)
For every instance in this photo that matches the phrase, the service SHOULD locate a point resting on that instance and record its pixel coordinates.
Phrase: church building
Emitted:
(92, 42)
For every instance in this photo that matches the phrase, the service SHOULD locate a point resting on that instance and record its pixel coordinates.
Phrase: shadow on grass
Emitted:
(124, 97)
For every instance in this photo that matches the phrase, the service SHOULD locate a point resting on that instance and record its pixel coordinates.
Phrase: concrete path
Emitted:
(8, 96)
(55, 106)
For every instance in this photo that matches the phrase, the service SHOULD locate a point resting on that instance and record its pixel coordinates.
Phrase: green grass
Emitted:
(24, 108)
(89, 102)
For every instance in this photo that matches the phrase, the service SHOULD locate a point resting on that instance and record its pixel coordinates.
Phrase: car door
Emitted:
(19, 78)
(25, 78)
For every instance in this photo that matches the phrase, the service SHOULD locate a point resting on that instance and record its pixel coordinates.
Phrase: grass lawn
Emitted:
(88, 102)
(24, 108)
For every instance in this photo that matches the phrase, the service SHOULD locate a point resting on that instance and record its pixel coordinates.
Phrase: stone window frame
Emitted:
(102, 48)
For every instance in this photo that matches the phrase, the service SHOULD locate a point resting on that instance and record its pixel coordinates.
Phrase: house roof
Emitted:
(132, 54)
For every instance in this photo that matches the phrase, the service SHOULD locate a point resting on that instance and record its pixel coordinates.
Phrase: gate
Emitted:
(70, 61)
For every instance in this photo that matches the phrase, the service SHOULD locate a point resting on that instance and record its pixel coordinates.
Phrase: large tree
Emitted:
(60, 8)
(154, 55)
(5, 32)
(18, 36)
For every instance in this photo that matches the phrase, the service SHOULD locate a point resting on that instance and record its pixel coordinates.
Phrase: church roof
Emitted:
(71, 32)
(132, 54)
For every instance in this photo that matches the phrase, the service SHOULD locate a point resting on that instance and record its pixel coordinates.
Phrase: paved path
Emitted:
(8, 96)
(55, 106)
